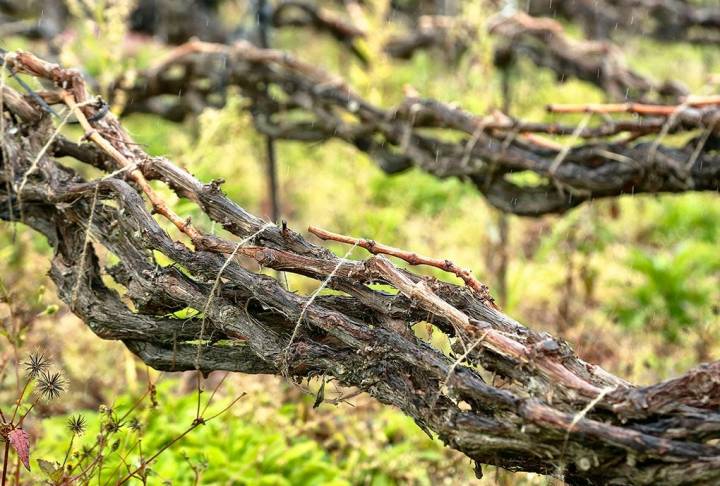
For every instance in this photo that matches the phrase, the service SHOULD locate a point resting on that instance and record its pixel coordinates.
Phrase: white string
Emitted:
(452, 369)
(582, 413)
(83, 255)
(315, 294)
(566, 149)
(665, 130)
(701, 144)
(43, 150)
(36, 161)
(216, 284)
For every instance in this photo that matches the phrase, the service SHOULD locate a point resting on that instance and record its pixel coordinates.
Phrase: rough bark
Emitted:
(509, 396)
(489, 151)
(544, 42)
(178, 21)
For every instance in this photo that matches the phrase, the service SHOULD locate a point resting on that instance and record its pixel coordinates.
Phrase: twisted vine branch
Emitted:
(511, 396)
(618, 155)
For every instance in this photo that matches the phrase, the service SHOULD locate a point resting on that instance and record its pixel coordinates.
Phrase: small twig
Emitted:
(69, 449)
(215, 390)
(18, 401)
(6, 456)
(88, 452)
(410, 257)
(123, 462)
(343, 398)
(227, 407)
(195, 424)
(635, 108)
(159, 206)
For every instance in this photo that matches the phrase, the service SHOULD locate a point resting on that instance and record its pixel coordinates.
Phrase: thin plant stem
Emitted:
(144, 464)
(25, 414)
(230, 405)
(5, 462)
(67, 454)
(19, 400)
(17, 471)
(123, 461)
(215, 390)
(197, 422)
(198, 382)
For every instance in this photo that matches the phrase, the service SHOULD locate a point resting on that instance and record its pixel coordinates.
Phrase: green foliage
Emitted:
(419, 192)
(692, 216)
(674, 289)
(243, 447)
(582, 229)
(99, 40)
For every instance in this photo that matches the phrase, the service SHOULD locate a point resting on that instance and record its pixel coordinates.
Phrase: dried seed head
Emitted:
(36, 364)
(135, 425)
(50, 385)
(112, 426)
(77, 424)
(105, 410)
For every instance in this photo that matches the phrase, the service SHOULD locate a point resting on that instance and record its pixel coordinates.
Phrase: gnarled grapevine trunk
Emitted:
(490, 151)
(508, 396)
